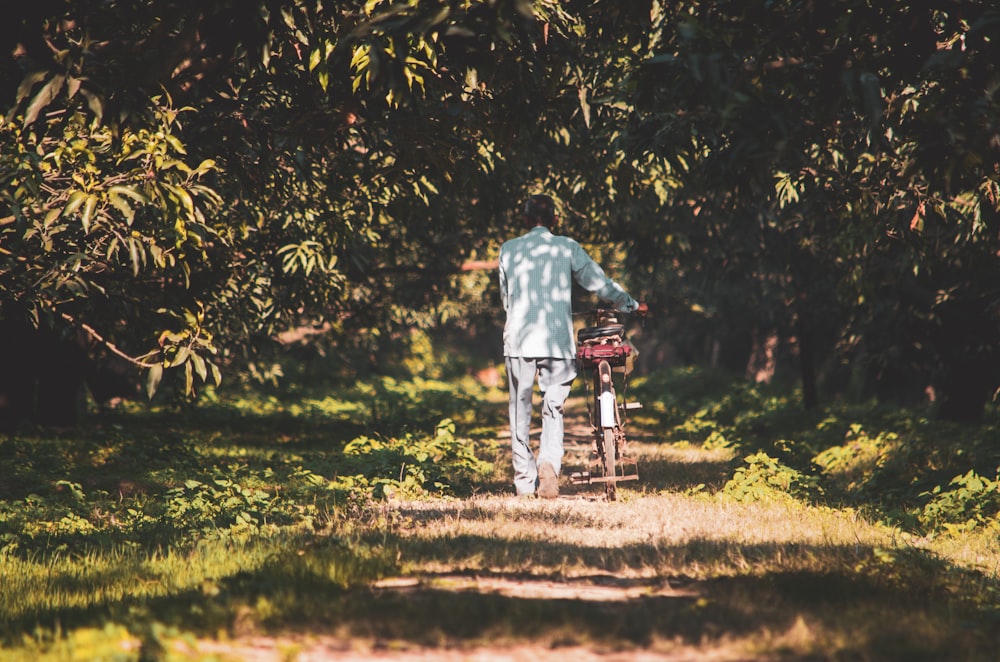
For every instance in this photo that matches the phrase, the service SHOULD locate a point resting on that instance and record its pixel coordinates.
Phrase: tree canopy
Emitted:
(181, 183)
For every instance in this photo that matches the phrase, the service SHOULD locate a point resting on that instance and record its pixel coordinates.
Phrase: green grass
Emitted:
(754, 530)
(191, 517)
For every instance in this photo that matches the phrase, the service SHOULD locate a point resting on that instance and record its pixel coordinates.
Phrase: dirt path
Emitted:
(668, 572)
(496, 549)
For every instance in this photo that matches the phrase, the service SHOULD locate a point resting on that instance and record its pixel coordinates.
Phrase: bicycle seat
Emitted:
(598, 332)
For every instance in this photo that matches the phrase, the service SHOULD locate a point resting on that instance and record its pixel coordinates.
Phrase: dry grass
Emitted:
(642, 536)
(676, 570)
(673, 570)
(674, 574)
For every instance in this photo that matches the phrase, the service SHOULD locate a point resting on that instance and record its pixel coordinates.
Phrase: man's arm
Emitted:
(592, 278)
(503, 281)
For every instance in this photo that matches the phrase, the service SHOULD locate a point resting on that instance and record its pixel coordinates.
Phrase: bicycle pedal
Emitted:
(633, 405)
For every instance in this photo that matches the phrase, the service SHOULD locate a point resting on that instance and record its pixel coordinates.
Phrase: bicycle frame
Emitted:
(602, 348)
(606, 406)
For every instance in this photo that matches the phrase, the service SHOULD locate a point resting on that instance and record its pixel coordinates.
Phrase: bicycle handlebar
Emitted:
(641, 311)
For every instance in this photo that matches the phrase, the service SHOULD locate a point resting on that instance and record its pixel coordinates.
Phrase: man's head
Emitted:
(540, 210)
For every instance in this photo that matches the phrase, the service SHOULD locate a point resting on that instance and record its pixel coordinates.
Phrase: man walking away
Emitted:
(537, 271)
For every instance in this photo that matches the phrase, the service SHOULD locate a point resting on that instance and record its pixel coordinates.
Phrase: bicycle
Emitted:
(603, 349)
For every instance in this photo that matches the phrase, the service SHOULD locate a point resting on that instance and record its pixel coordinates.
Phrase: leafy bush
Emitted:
(222, 505)
(398, 406)
(763, 478)
(411, 466)
(64, 513)
(894, 463)
(854, 463)
(970, 501)
(698, 428)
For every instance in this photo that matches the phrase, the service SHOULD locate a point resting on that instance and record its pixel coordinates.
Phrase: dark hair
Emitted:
(540, 209)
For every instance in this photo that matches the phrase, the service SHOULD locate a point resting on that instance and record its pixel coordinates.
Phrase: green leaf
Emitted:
(182, 196)
(183, 354)
(44, 97)
(216, 373)
(153, 379)
(199, 366)
(95, 102)
(204, 167)
(130, 192)
(123, 207)
(76, 198)
(265, 54)
(29, 82)
(88, 212)
(133, 254)
(72, 87)
(51, 216)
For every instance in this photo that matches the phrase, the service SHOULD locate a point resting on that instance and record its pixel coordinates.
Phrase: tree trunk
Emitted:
(965, 390)
(17, 389)
(807, 361)
(41, 377)
(763, 358)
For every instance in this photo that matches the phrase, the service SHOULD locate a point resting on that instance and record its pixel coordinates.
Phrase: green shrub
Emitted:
(854, 463)
(764, 478)
(411, 466)
(222, 505)
(971, 501)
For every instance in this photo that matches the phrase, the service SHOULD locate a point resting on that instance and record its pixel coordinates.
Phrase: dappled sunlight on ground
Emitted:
(643, 536)
(677, 568)
(669, 576)
(320, 649)
(672, 570)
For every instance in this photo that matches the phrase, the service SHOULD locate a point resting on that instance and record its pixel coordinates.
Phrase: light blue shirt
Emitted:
(537, 271)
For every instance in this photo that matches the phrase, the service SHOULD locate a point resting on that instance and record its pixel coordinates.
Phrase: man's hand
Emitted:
(642, 308)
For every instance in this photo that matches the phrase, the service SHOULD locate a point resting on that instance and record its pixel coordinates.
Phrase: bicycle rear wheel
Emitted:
(610, 460)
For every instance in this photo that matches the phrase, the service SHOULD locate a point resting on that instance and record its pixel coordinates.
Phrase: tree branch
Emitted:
(92, 332)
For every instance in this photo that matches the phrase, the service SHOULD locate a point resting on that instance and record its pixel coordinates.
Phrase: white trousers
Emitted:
(555, 377)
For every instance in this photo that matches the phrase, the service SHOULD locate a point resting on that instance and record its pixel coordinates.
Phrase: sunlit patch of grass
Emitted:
(240, 518)
(679, 467)
(765, 578)
(36, 585)
(228, 587)
(648, 535)
(203, 518)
